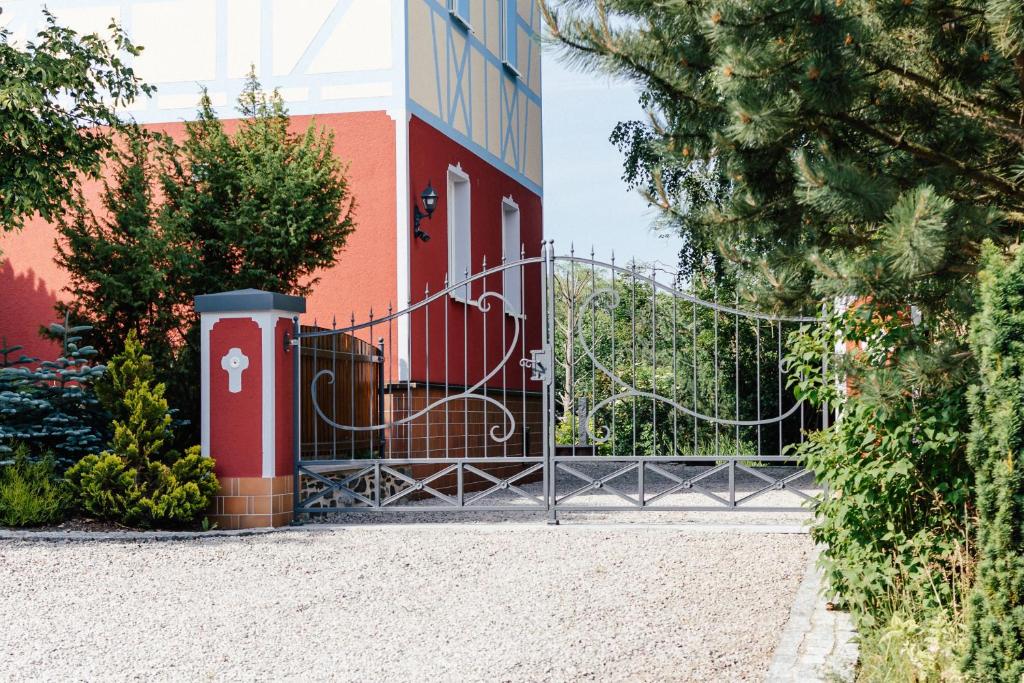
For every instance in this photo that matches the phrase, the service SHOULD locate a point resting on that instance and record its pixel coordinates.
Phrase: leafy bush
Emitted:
(140, 480)
(31, 493)
(62, 96)
(996, 645)
(51, 405)
(894, 463)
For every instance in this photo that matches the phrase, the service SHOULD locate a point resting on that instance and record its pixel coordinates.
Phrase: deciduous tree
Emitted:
(59, 95)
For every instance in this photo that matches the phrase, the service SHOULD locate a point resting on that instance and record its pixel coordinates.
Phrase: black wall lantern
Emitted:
(429, 198)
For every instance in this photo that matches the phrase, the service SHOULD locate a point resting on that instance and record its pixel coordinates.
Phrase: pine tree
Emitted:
(140, 480)
(858, 148)
(996, 624)
(50, 406)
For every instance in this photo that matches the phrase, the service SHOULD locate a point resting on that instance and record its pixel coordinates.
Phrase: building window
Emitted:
(460, 10)
(510, 35)
(458, 232)
(512, 244)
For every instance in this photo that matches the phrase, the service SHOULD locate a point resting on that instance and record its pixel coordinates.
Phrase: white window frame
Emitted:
(509, 58)
(453, 9)
(513, 303)
(456, 176)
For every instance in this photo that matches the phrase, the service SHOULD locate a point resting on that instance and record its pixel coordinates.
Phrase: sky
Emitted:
(586, 202)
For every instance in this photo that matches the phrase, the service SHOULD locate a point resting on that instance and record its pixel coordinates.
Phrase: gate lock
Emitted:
(539, 364)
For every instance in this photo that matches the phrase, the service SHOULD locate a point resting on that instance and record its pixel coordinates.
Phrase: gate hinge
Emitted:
(539, 364)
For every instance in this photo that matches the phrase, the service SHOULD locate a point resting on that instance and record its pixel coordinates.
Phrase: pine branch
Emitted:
(1019, 63)
(928, 154)
(601, 48)
(1007, 124)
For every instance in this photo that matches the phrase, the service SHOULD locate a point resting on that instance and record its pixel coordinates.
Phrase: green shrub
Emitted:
(140, 480)
(996, 617)
(894, 462)
(51, 405)
(31, 493)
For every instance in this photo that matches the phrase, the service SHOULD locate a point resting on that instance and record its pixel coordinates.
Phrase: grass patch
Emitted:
(913, 650)
(31, 493)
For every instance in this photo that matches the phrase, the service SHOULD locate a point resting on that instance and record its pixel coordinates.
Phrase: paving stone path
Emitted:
(817, 644)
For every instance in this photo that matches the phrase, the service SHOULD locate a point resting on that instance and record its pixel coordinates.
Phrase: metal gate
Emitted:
(552, 383)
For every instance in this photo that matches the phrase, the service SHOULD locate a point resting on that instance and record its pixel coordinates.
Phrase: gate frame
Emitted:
(541, 363)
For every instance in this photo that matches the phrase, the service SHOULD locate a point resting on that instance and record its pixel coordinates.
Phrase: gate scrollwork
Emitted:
(483, 305)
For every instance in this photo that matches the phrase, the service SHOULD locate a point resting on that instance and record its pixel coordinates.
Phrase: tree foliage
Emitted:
(141, 480)
(261, 207)
(126, 273)
(58, 99)
(996, 624)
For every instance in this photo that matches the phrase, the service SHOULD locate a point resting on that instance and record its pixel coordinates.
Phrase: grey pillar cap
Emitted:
(249, 300)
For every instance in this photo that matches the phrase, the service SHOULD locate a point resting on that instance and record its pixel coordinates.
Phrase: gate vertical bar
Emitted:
(736, 371)
(548, 316)
(296, 416)
(826, 411)
(381, 420)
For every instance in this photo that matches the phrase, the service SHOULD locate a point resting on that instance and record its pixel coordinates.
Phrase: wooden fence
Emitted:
(353, 399)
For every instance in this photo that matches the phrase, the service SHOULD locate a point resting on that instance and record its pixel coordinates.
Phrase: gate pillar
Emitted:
(247, 392)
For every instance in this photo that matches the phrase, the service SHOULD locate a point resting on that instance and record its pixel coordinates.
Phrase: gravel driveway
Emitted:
(509, 602)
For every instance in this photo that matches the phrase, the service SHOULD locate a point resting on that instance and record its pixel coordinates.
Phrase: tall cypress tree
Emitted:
(996, 624)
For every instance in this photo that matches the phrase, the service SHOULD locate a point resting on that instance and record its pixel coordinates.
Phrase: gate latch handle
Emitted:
(539, 364)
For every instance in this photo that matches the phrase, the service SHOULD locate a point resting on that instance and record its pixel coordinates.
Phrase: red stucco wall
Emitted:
(430, 155)
(31, 283)
(235, 440)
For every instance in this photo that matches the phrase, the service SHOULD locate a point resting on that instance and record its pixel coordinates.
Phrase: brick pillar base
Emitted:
(250, 502)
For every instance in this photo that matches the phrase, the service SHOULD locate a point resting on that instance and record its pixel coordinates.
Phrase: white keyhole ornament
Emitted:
(234, 362)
